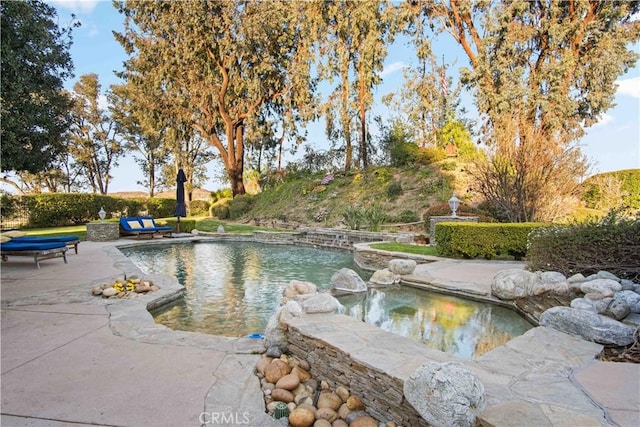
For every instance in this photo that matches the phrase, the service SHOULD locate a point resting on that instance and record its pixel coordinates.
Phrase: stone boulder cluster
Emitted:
(393, 273)
(125, 288)
(290, 391)
(606, 309)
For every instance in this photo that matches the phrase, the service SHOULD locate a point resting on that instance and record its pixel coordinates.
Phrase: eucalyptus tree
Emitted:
(93, 140)
(352, 38)
(35, 61)
(219, 64)
(541, 72)
(135, 111)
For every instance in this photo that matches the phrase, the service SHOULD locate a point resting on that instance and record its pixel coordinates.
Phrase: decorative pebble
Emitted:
(328, 399)
(109, 292)
(288, 382)
(282, 395)
(343, 392)
(355, 403)
(302, 417)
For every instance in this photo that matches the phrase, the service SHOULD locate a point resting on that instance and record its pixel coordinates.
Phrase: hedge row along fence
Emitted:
(64, 209)
(487, 240)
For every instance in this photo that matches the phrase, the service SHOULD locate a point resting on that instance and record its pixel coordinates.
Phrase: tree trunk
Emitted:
(363, 120)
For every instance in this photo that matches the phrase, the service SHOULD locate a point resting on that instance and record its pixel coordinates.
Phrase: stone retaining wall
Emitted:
(373, 259)
(347, 238)
(374, 372)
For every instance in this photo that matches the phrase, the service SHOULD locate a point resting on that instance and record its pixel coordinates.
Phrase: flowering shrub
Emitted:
(327, 179)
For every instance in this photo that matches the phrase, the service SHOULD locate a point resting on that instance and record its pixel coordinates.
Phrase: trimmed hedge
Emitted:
(64, 209)
(611, 244)
(487, 240)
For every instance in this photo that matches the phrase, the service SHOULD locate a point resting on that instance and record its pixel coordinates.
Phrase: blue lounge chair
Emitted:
(38, 251)
(142, 225)
(70, 241)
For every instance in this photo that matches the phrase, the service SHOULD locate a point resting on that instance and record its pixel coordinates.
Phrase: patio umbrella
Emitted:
(181, 208)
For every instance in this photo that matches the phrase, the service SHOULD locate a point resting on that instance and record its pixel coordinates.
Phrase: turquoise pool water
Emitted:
(232, 288)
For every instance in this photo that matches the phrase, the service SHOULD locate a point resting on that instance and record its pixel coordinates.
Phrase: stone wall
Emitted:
(375, 371)
(103, 231)
(373, 259)
(347, 238)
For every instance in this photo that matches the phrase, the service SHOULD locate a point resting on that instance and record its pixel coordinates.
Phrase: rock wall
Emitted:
(373, 259)
(381, 392)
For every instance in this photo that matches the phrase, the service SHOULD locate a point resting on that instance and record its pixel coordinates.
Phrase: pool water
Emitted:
(232, 288)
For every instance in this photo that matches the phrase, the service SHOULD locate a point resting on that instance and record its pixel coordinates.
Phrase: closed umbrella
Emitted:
(181, 208)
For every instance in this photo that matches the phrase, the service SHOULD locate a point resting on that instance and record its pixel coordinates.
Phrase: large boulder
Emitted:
(321, 303)
(347, 280)
(402, 266)
(445, 394)
(512, 284)
(382, 278)
(588, 325)
(606, 287)
(631, 298)
(297, 287)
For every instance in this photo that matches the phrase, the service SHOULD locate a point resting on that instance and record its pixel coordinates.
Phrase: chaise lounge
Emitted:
(70, 241)
(39, 251)
(142, 225)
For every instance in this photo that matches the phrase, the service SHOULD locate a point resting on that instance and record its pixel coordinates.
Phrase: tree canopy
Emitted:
(35, 61)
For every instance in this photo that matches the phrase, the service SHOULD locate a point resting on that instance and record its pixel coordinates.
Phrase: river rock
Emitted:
(606, 287)
(339, 423)
(616, 309)
(326, 414)
(342, 392)
(354, 403)
(551, 277)
(282, 395)
(288, 382)
(262, 364)
(322, 423)
(606, 275)
(321, 303)
(302, 417)
(109, 292)
(276, 370)
(355, 414)
(301, 373)
(347, 280)
(582, 304)
(445, 394)
(297, 287)
(365, 421)
(97, 290)
(588, 325)
(631, 298)
(382, 278)
(512, 284)
(344, 411)
(328, 399)
(402, 266)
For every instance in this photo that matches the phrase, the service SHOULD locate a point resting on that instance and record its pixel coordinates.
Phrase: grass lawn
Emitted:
(405, 247)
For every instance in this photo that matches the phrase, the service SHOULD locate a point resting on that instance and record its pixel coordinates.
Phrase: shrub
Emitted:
(220, 209)
(611, 244)
(431, 155)
(375, 216)
(240, 205)
(405, 216)
(199, 208)
(186, 225)
(487, 240)
(354, 217)
(394, 190)
(155, 207)
(404, 154)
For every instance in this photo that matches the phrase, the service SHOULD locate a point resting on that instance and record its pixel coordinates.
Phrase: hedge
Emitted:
(64, 209)
(487, 240)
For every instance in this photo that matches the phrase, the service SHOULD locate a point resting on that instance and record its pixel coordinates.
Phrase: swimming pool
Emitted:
(232, 288)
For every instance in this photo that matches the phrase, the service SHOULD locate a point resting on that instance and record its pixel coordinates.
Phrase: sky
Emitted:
(612, 144)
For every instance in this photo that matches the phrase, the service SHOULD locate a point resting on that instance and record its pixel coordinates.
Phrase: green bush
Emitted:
(405, 216)
(394, 190)
(354, 217)
(404, 154)
(240, 205)
(375, 215)
(199, 208)
(156, 207)
(611, 244)
(186, 225)
(431, 155)
(220, 209)
(487, 240)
